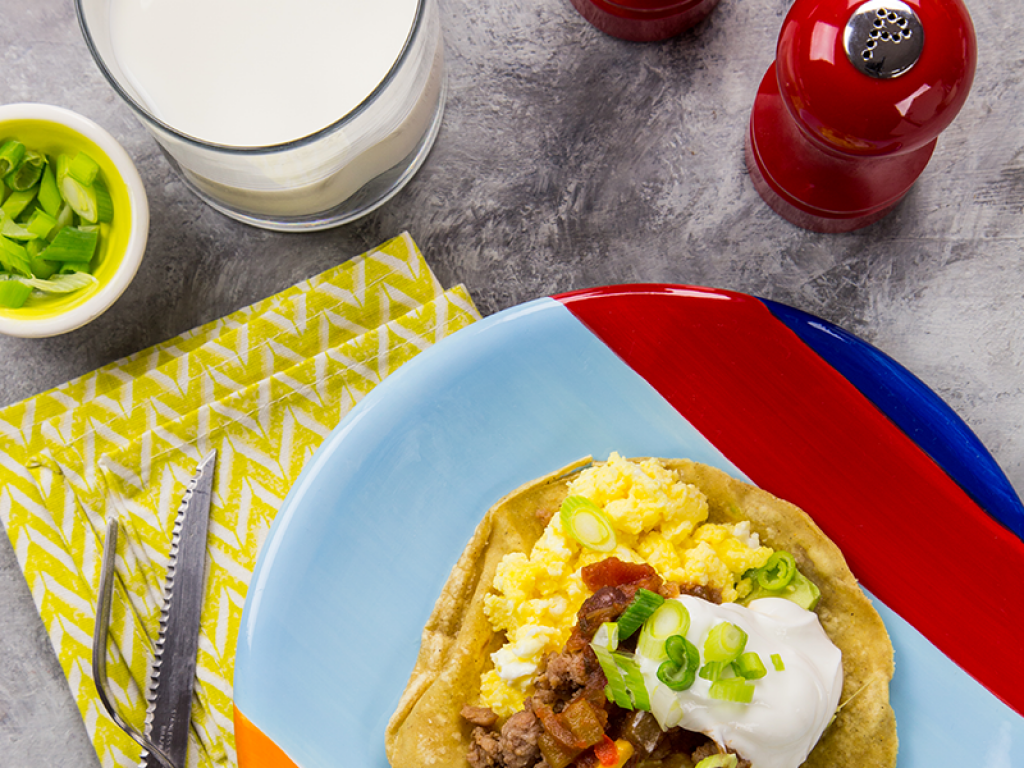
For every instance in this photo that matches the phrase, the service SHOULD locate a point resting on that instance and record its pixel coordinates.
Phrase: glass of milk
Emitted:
(289, 115)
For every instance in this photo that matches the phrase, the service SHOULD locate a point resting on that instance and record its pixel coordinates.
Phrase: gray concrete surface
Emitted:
(567, 159)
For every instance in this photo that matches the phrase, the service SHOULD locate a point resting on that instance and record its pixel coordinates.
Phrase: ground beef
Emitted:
(479, 715)
(484, 749)
(519, 740)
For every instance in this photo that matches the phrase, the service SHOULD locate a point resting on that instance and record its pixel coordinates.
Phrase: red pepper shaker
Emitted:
(644, 20)
(847, 117)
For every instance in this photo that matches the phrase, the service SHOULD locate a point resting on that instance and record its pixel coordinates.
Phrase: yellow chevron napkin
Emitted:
(264, 387)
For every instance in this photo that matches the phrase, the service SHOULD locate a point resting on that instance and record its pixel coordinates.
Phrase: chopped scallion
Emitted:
(11, 153)
(49, 196)
(83, 169)
(14, 258)
(27, 172)
(13, 294)
(724, 642)
(680, 670)
(71, 244)
(587, 523)
(716, 670)
(732, 689)
(66, 200)
(637, 612)
(670, 618)
(616, 689)
(41, 224)
(750, 666)
(777, 572)
(723, 760)
(634, 680)
(778, 663)
(43, 269)
(18, 201)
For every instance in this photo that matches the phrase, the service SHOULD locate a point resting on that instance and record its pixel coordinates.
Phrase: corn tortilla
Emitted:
(427, 729)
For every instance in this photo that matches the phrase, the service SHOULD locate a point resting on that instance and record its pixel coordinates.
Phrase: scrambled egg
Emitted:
(657, 519)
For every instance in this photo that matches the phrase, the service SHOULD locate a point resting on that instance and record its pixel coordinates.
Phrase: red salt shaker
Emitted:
(644, 20)
(847, 117)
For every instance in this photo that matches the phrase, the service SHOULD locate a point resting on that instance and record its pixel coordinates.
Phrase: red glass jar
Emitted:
(833, 149)
(644, 20)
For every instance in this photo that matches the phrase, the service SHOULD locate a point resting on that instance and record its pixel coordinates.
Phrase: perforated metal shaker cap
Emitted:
(883, 38)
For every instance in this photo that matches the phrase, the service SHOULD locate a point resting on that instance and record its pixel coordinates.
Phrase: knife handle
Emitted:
(99, 646)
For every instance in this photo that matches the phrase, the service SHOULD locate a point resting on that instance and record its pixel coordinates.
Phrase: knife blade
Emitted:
(173, 671)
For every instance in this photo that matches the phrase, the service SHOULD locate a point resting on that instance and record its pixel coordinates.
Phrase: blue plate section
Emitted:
(365, 540)
(915, 409)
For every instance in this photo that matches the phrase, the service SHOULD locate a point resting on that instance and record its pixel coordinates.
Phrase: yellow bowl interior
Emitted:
(53, 139)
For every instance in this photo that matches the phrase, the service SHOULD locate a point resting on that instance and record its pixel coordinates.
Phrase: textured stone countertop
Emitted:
(566, 159)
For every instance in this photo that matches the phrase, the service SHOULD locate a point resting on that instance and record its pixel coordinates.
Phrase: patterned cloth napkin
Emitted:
(264, 387)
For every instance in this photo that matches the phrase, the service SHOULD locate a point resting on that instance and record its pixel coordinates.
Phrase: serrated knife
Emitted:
(169, 693)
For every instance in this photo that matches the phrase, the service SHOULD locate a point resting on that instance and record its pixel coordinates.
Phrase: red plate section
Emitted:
(799, 429)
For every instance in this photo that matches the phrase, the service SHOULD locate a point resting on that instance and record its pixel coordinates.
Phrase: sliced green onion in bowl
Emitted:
(778, 663)
(27, 173)
(11, 153)
(72, 244)
(587, 523)
(14, 293)
(83, 169)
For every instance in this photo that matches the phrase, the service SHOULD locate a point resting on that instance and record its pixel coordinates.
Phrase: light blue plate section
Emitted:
(366, 538)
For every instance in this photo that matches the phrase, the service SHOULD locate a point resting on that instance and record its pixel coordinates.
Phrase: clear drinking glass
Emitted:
(321, 180)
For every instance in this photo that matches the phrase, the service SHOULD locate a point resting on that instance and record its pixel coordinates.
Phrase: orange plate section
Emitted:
(255, 748)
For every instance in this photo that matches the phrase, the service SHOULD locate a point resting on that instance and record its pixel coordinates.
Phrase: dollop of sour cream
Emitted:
(790, 708)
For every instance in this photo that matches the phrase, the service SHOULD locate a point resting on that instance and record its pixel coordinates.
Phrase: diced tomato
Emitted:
(607, 751)
(612, 572)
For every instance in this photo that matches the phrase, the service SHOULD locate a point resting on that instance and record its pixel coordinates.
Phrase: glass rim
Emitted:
(147, 116)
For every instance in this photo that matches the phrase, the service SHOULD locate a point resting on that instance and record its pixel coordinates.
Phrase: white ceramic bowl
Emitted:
(53, 130)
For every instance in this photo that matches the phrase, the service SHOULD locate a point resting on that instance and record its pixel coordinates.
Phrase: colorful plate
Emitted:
(366, 538)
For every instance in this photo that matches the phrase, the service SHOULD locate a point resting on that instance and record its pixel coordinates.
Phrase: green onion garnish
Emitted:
(616, 689)
(13, 293)
(680, 670)
(670, 618)
(777, 663)
(724, 642)
(634, 680)
(587, 523)
(716, 670)
(750, 666)
(777, 572)
(732, 689)
(725, 760)
(637, 612)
